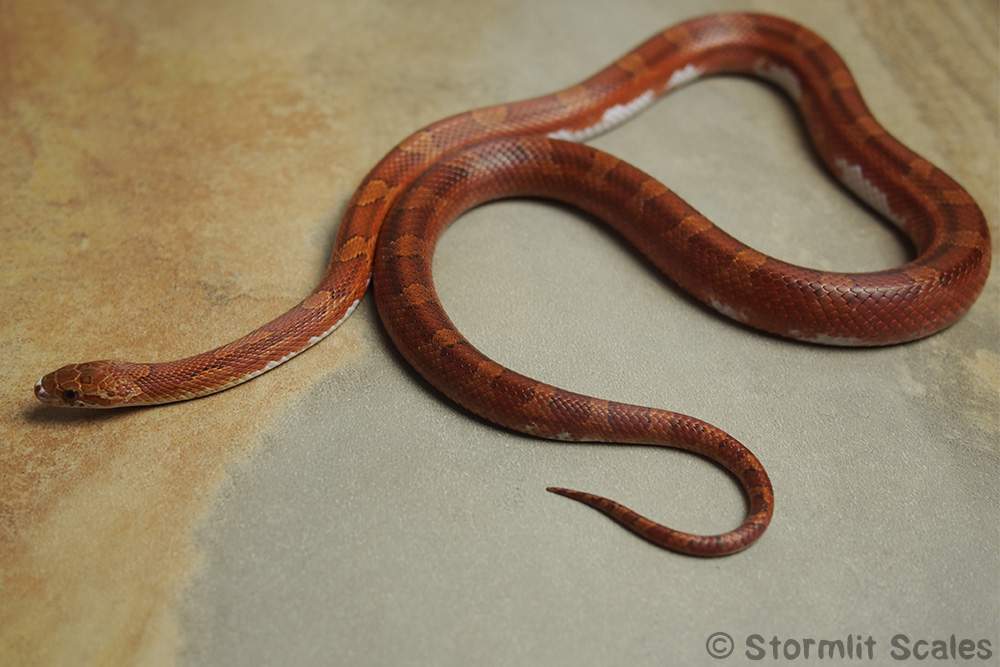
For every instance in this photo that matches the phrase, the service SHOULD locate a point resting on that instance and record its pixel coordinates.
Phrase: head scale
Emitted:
(94, 384)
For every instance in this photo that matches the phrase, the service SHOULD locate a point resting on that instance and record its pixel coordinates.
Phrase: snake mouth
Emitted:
(41, 394)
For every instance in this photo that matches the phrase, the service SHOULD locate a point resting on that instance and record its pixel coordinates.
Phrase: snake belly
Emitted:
(529, 148)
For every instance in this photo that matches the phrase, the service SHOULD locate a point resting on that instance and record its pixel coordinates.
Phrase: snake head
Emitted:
(94, 384)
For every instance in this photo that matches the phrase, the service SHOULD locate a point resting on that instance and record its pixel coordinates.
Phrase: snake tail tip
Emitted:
(569, 493)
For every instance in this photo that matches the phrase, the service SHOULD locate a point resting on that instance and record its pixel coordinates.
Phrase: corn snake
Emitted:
(524, 149)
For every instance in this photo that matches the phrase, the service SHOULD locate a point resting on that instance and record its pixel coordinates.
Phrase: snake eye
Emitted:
(69, 395)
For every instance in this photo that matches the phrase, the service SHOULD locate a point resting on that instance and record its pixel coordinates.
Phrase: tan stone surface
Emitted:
(171, 177)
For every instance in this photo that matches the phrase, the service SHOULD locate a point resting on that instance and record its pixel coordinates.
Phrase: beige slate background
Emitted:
(172, 176)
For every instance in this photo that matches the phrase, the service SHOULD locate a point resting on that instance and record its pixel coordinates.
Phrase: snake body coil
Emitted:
(524, 148)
